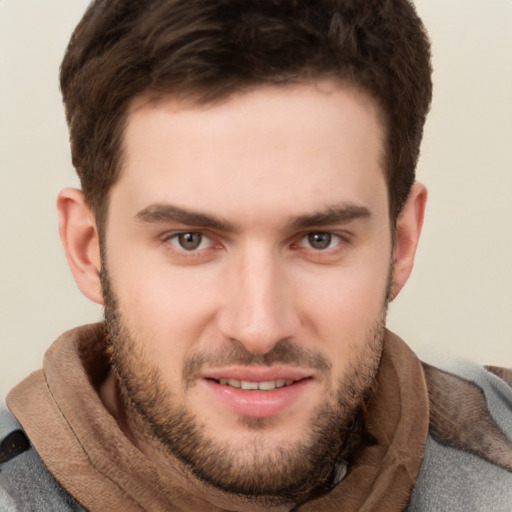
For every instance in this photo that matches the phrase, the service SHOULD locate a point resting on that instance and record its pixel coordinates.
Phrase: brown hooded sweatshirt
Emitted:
(86, 451)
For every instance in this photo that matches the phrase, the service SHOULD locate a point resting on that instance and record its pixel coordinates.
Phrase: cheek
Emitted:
(343, 307)
(346, 295)
(169, 306)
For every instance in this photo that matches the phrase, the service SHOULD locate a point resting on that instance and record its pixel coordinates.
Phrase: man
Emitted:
(248, 209)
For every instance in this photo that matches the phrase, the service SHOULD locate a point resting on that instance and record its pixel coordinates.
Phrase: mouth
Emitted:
(246, 385)
(257, 392)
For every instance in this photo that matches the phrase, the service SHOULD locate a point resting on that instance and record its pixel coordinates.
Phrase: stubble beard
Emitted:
(277, 474)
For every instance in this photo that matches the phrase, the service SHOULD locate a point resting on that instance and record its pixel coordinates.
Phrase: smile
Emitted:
(268, 385)
(257, 396)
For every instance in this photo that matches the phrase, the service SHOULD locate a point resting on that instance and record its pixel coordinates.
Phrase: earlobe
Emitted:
(79, 236)
(408, 230)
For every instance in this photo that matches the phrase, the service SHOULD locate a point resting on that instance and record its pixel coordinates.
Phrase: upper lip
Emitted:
(257, 373)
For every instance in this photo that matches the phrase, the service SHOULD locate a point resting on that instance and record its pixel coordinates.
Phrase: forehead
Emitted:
(275, 147)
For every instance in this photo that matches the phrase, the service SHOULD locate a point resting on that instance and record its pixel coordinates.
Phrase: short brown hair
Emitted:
(209, 49)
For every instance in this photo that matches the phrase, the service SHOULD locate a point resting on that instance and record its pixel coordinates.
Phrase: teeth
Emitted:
(268, 385)
(248, 385)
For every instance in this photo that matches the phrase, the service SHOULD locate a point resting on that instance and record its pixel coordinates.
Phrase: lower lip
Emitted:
(256, 403)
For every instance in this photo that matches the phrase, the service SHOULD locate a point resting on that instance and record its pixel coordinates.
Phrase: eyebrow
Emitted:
(332, 215)
(164, 212)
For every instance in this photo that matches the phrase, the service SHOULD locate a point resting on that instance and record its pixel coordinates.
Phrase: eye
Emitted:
(320, 240)
(190, 241)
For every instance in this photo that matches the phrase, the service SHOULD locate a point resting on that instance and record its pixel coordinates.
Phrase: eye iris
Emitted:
(320, 240)
(190, 241)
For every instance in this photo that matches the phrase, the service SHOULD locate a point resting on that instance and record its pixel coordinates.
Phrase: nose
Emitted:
(259, 306)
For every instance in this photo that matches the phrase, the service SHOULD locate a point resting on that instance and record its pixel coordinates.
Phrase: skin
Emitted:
(252, 178)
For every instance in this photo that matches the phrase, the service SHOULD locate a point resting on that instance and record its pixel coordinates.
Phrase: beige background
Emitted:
(459, 300)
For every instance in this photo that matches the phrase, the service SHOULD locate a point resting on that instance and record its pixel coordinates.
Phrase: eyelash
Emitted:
(341, 241)
(201, 254)
(176, 236)
(331, 237)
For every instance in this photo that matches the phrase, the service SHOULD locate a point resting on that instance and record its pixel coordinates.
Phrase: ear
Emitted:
(79, 236)
(408, 230)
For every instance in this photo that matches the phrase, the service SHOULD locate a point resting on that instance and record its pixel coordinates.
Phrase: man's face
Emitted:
(247, 261)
